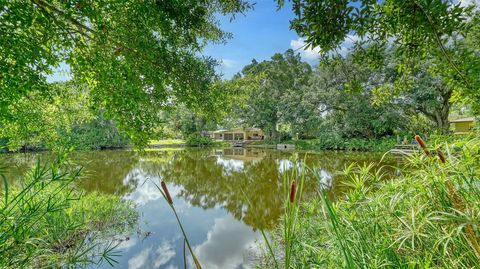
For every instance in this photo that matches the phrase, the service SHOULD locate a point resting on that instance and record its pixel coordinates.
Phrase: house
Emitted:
(237, 134)
(463, 125)
(241, 154)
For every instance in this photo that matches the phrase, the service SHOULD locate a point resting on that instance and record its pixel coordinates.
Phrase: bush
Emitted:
(332, 142)
(198, 140)
(47, 223)
(3, 145)
(99, 133)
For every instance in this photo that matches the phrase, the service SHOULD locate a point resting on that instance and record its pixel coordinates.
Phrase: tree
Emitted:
(420, 29)
(342, 92)
(135, 56)
(431, 97)
(427, 93)
(43, 120)
(272, 88)
(61, 119)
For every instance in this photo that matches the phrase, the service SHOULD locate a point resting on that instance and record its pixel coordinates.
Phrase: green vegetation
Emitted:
(198, 140)
(338, 143)
(46, 222)
(134, 57)
(59, 120)
(167, 142)
(426, 217)
(292, 197)
(138, 73)
(441, 32)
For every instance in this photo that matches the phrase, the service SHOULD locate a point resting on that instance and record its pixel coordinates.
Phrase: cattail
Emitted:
(292, 191)
(422, 144)
(167, 194)
(459, 205)
(441, 156)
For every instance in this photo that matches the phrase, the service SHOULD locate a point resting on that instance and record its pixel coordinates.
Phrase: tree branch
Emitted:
(440, 44)
(83, 29)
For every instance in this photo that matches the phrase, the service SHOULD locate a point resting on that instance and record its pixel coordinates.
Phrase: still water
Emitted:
(223, 197)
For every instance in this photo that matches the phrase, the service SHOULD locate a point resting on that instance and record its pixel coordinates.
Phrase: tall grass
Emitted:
(426, 217)
(46, 222)
(293, 181)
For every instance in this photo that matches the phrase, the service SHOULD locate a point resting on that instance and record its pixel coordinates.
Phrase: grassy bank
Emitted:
(427, 217)
(192, 141)
(46, 222)
(352, 144)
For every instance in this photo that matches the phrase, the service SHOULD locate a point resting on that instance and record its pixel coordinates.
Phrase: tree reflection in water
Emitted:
(208, 178)
(222, 178)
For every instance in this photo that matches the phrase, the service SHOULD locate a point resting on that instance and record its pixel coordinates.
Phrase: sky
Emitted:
(258, 34)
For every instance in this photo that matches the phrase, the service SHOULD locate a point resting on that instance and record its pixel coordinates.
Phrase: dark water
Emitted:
(223, 197)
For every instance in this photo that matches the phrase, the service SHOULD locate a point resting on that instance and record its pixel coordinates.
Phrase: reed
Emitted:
(426, 216)
(292, 200)
(166, 195)
(457, 201)
(292, 197)
(46, 222)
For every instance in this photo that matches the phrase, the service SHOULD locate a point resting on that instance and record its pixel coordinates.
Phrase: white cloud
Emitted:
(313, 54)
(227, 245)
(164, 253)
(150, 259)
(230, 165)
(465, 3)
(308, 54)
(138, 261)
(146, 191)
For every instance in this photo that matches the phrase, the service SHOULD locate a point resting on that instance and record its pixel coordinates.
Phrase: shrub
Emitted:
(99, 133)
(198, 140)
(332, 142)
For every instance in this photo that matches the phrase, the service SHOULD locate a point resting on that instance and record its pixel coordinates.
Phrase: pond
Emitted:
(223, 197)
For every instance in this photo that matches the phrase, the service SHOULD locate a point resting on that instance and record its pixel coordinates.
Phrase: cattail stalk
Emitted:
(459, 205)
(167, 194)
(168, 197)
(292, 191)
(441, 156)
(422, 144)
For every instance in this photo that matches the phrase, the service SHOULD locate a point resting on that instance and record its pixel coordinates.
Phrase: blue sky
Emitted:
(259, 34)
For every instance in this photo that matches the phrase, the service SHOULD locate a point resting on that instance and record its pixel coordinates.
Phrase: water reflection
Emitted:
(223, 197)
(229, 244)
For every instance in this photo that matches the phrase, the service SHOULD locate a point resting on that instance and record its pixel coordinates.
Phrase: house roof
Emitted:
(238, 129)
(467, 119)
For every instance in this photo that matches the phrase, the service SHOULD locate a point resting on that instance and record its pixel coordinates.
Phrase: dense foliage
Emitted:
(198, 140)
(46, 222)
(271, 90)
(428, 216)
(336, 102)
(136, 57)
(421, 29)
(61, 119)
